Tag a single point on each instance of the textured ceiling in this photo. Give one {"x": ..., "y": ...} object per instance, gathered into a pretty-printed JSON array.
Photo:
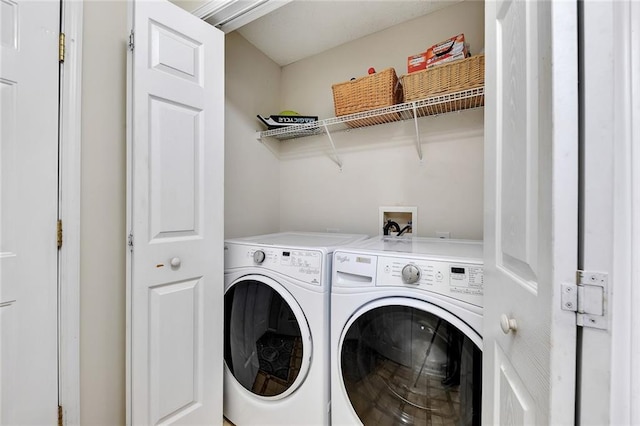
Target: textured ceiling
[{"x": 304, "y": 28}]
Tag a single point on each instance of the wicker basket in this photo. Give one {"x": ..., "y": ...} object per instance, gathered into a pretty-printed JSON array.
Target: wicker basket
[
  {"x": 378, "y": 90},
  {"x": 447, "y": 78}
]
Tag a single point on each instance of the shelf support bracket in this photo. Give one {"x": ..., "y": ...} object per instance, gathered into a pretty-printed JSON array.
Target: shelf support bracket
[
  {"x": 336, "y": 158},
  {"x": 267, "y": 145},
  {"x": 415, "y": 121}
]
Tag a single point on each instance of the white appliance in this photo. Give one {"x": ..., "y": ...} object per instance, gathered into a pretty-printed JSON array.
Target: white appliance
[
  {"x": 277, "y": 289},
  {"x": 406, "y": 318}
]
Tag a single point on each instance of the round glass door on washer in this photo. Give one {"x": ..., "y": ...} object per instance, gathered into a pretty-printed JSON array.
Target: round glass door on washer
[
  {"x": 265, "y": 338},
  {"x": 276, "y": 348},
  {"x": 403, "y": 365}
]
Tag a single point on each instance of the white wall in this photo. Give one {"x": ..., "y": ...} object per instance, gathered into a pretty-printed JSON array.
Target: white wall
[
  {"x": 102, "y": 270},
  {"x": 381, "y": 165}
]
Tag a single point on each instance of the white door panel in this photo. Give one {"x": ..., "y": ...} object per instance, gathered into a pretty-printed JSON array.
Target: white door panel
[
  {"x": 28, "y": 212},
  {"x": 531, "y": 187},
  {"x": 176, "y": 217}
]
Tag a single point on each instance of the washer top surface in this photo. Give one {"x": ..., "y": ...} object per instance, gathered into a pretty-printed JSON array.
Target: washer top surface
[
  {"x": 420, "y": 247},
  {"x": 304, "y": 240}
]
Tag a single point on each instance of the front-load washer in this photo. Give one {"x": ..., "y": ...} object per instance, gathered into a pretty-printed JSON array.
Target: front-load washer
[
  {"x": 406, "y": 345},
  {"x": 276, "y": 346}
]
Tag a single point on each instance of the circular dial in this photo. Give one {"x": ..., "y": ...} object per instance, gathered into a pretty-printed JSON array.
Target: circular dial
[
  {"x": 258, "y": 256},
  {"x": 410, "y": 274}
]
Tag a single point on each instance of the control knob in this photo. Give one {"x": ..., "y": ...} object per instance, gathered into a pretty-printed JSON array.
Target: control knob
[
  {"x": 258, "y": 256},
  {"x": 410, "y": 274}
]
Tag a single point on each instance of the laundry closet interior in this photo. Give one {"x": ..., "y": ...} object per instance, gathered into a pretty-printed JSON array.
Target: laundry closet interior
[
  {"x": 280, "y": 185},
  {"x": 337, "y": 180}
]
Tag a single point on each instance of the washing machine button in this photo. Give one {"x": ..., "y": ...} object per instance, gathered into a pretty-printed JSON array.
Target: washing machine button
[
  {"x": 411, "y": 274},
  {"x": 258, "y": 256}
]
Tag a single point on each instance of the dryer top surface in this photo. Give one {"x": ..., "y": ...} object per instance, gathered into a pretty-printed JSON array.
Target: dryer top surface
[
  {"x": 304, "y": 240},
  {"x": 470, "y": 250}
]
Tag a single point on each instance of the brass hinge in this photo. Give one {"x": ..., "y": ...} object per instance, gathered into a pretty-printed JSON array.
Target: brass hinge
[
  {"x": 131, "y": 41},
  {"x": 59, "y": 234},
  {"x": 61, "y": 48},
  {"x": 60, "y": 419}
]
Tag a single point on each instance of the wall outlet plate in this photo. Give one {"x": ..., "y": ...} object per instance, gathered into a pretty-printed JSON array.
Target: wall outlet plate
[{"x": 401, "y": 215}]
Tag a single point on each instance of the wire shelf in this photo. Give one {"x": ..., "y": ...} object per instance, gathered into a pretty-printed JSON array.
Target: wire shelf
[{"x": 435, "y": 105}]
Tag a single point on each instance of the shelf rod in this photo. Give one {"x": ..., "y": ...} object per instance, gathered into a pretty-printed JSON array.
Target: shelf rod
[
  {"x": 336, "y": 158},
  {"x": 415, "y": 120}
]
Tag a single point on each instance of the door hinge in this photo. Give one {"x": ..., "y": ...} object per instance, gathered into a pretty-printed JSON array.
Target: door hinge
[
  {"x": 60, "y": 418},
  {"x": 588, "y": 298},
  {"x": 59, "y": 233},
  {"x": 130, "y": 241},
  {"x": 131, "y": 43},
  {"x": 61, "y": 50}
]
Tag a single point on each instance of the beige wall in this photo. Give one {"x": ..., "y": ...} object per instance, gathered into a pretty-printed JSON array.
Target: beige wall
[
  {"x": 306, "y": 84},
  {"x": 102, "y": 274},
  {"x": 381, "y": 165},
  {"x": 252, "y": 193}
]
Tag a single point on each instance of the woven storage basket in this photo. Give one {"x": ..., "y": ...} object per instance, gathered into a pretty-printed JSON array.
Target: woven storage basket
[
  {"x": 378, "y": 90},
  {"x": 447, "y": 78}
]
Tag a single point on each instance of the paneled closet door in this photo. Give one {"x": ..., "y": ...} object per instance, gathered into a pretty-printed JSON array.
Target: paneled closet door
[
  {"x": 175, "y": 205},
  {"x": 29, "y": 71},
  {"x": 531, "y": 211}
]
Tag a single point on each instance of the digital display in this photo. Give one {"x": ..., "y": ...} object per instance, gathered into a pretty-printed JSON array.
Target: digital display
[
  {"x": 286, "y": 253},
  {"x": 363, "y": 259},
  {"x": 456, "y": 270}
]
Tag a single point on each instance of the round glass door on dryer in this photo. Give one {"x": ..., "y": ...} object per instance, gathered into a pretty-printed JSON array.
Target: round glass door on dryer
[
  {"x": 267, "y": 338},
  {"x": 407, "y": 361}
]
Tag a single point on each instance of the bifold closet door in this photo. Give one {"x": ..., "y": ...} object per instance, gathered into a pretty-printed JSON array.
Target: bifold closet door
[{"x": 175, "y": 204}]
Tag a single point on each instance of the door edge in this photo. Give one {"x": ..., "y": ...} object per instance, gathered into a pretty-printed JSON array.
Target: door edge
[{"x": 69, "y": 212}]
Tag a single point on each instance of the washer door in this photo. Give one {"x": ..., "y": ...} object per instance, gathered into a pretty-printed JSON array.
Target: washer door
[
  {"x": 404, "y": 361},
  {"x": 267, "y": 338}
]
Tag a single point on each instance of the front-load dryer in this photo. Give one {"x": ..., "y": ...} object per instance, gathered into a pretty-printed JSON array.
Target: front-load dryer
[
  {"x": 406, "y": 320},
  {"x": 276, "y": 347}
]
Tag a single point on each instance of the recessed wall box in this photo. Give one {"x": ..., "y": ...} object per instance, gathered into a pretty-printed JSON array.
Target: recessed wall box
[{"x": 405, "y": 217}]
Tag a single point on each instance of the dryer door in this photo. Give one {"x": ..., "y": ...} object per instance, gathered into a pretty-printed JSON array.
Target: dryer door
[
  {"x": 267, "y": 338},
  {"x": 405, "y": 361}
]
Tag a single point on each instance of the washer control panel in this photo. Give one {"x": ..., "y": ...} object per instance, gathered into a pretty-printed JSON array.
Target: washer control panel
[{"x": 304, "y": 265}]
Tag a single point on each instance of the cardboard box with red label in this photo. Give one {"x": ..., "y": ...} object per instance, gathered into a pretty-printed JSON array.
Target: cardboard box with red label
[
  {"x": 447, "y": 51},
  {"x": 417, "y": 62}
]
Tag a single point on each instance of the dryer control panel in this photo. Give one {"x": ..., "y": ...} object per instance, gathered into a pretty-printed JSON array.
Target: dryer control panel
[
  {"x": 460, "y": 280},
  {"x": 303, "y": 265}
]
